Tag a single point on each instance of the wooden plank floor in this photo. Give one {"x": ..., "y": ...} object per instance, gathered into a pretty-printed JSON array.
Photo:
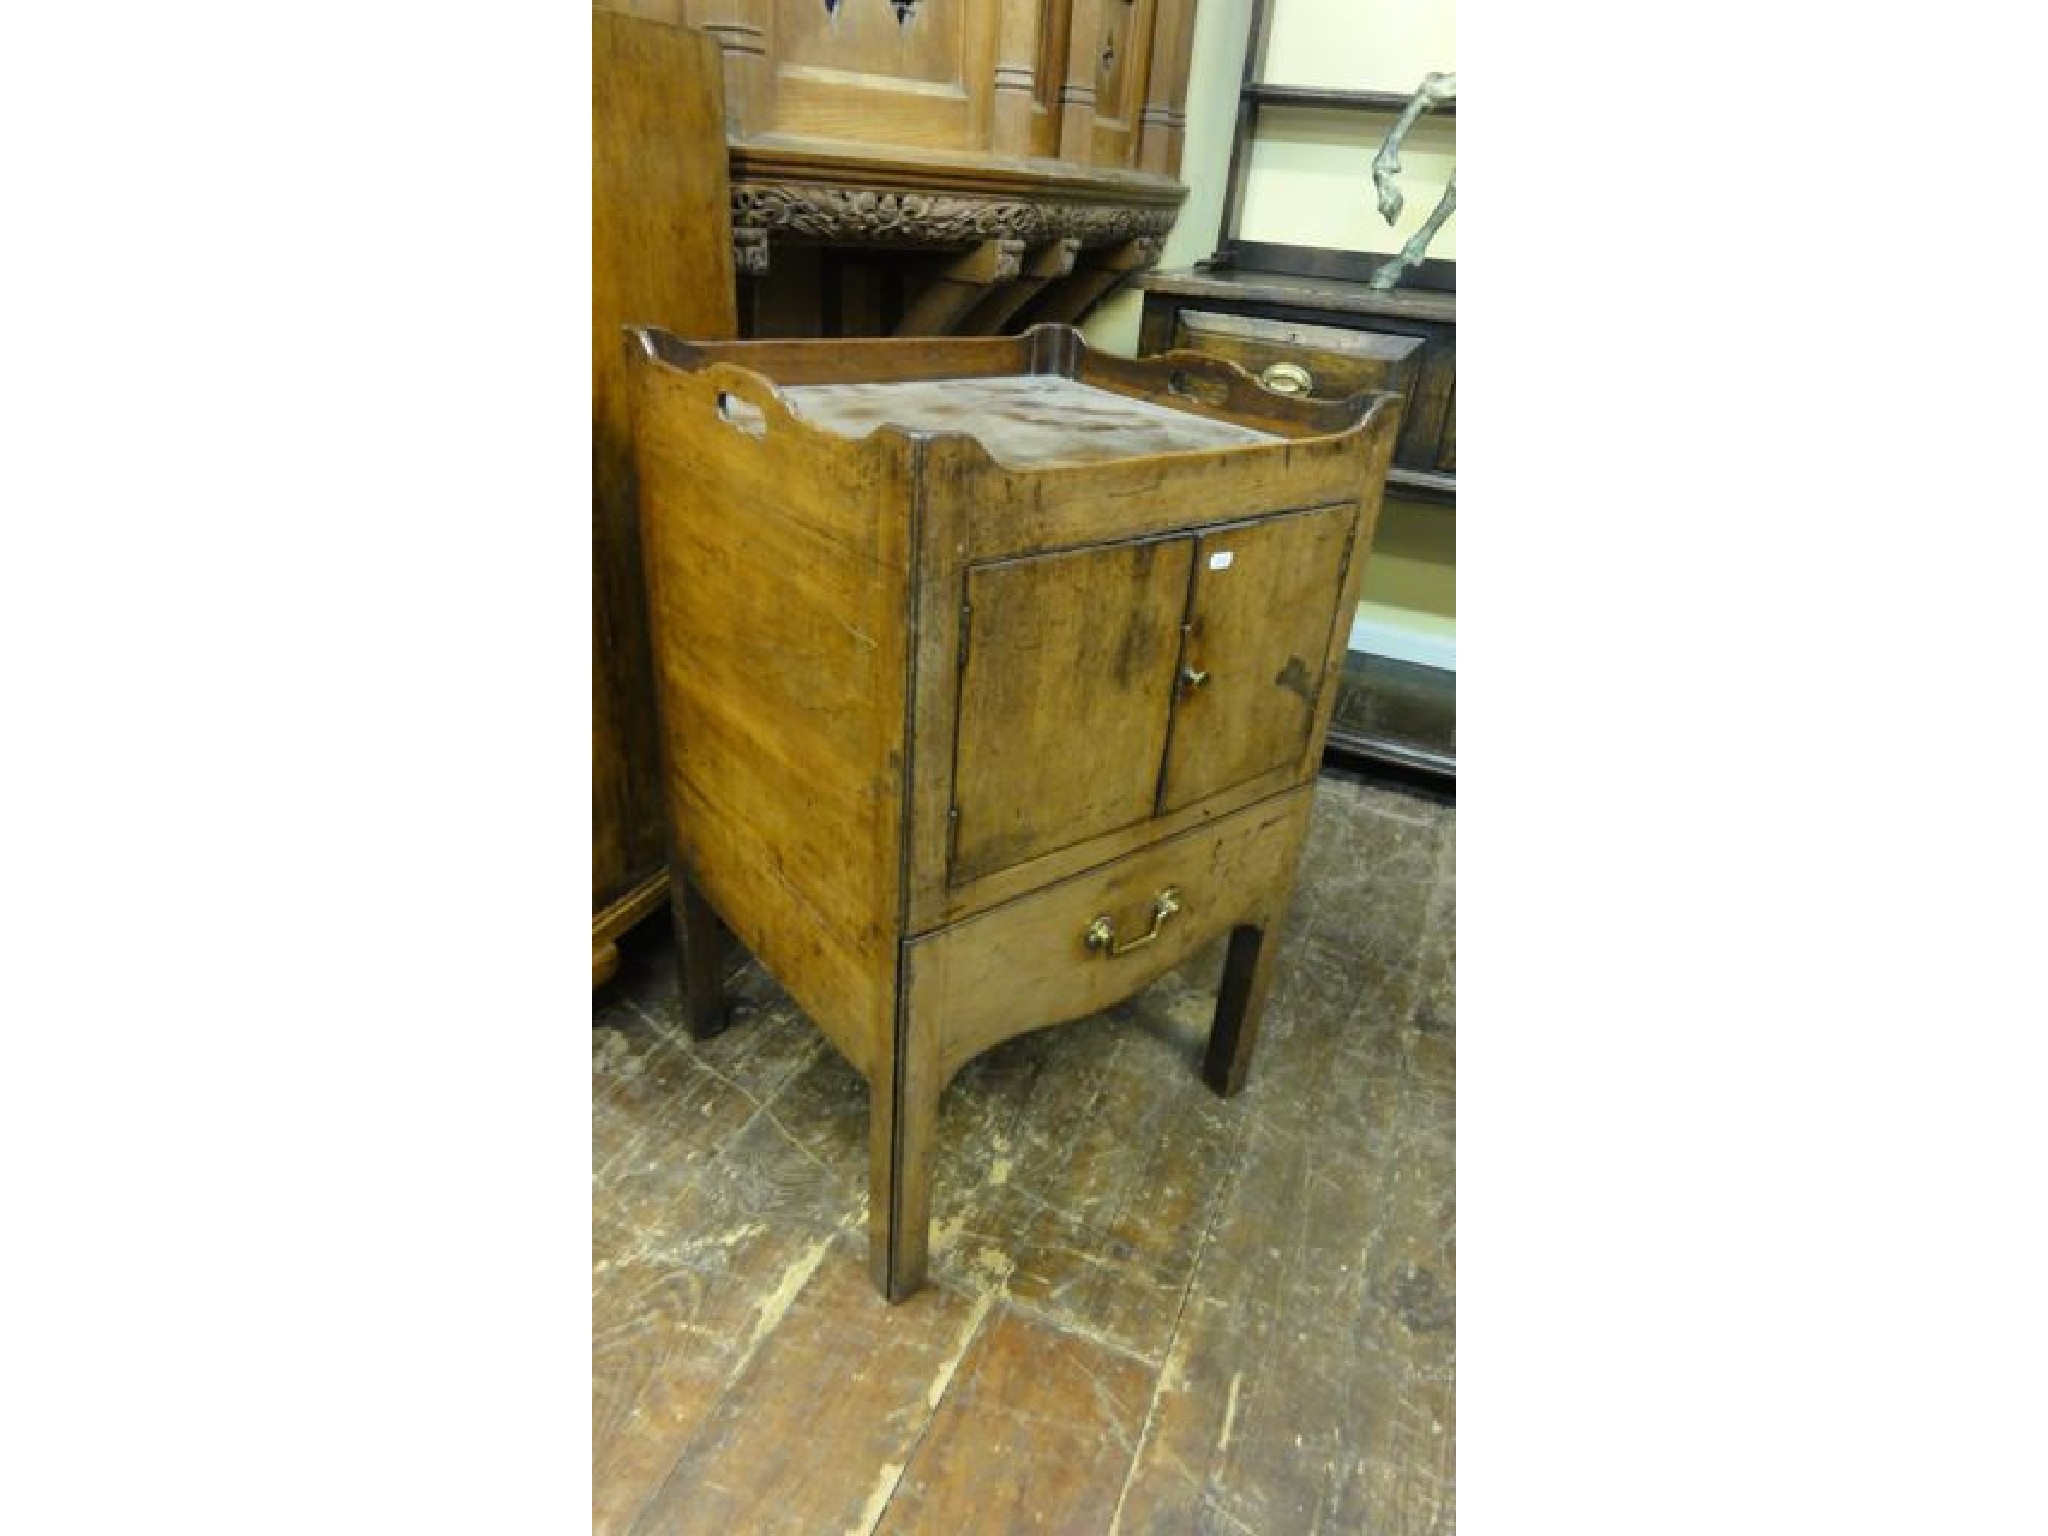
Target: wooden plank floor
[{"x": 1152, "y": 1311}]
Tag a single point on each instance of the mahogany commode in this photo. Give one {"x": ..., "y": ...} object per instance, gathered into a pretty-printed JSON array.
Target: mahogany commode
[{"x": 993, "y": 676}]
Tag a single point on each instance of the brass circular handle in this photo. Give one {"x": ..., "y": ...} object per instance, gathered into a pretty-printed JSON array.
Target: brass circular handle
[{"x": 1288, "y": 379}]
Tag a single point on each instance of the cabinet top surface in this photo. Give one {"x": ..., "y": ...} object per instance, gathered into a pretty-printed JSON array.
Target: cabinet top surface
[{"x": 1033, "y": 420}]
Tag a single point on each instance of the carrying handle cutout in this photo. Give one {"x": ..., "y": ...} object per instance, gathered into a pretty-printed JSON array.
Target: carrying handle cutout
[{"x": 742, "y": 415}]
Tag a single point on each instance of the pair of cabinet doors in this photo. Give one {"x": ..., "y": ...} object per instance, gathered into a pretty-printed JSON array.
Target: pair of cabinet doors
[{"x": 1104, "y": 686}]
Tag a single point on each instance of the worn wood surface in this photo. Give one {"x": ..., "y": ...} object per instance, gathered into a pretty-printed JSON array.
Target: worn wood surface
[
  {"x": 1066, "y": 654},
  {"x": 1338, "y": 362},
  {"x": 1245, "y": 316},
  {"x": 859, "y": 714},
  {"x": 1258, "y": 638},
  {"x": 1027, "y": 421},
  {"x": 907, "y": 130},
  {"x": 1026, "y": 964},
  {"x": 778, "y": 570},
  {"x": 661, "y": 254},
  {"x": 615, "y": 917},
  {"x": 1153, "y": 1310}
]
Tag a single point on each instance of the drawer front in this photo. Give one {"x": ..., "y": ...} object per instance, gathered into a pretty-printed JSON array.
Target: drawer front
[
  {"x": 1297, "y": 359},
  {"x": 1076, "y": 947}
]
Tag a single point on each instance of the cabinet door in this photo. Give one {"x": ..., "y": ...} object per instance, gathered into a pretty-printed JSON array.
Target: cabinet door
[
  {"x": 1258, "y": 636},
  {"x": 1065, "y": 694}
]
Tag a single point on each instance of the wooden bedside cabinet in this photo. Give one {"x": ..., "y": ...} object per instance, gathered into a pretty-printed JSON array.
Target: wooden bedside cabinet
[{"x": 994, "y": 676}]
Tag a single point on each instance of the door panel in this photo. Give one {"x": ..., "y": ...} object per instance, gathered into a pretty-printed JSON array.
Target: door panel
[
  {"x": 1258, "y": 636},
  {"x": 1064, "y": 698}
]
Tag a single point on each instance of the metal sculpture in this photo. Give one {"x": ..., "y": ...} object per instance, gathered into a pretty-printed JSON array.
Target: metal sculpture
[{"x": 1435, "y": 90}]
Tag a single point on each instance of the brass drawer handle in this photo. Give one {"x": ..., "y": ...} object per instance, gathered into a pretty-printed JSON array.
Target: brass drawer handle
[
  {"x": 1101, "y": 933},
  {"x": 1193, "y": 677},
  {"x": 1288, "y": 379}
]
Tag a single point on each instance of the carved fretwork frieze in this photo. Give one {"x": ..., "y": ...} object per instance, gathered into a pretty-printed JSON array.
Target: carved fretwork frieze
[{"x": 877, "y": 216}]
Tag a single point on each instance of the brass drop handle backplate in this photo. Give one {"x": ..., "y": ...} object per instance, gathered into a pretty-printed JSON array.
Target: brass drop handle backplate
[
  {"x": 1101, "y": 934},
  {"x": 1288, "y": 379}
]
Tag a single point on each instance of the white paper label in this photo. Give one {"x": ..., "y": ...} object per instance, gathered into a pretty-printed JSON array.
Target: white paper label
[{"x": 1220, "y": 561}]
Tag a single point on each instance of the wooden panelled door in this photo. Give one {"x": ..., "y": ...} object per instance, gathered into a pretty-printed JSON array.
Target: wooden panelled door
[
  {"x": 1101, "y": 687},
  {"x": 1065, "y": 698},
  {"x": 1258, "y": 634}
]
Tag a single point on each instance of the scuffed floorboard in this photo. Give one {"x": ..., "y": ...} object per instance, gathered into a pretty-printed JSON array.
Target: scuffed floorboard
[{"x": 1152, "y": 1310}]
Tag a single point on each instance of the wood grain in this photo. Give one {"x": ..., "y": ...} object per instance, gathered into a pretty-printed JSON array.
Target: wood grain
[
  {"x": 1254, "y": 317},
  {"x": 778, "y": 569},
  {"x": 1258, "y": 635},
  {"x": 1033, "y": 1436},
  {"x": 854, "y": 1379},
  {"x": 1341, "y": 362},
  {"x": 1025, "y": 965},
  {"x": 1069, "y": 659},
  {"x": 862, "y": 715},
  {"x": 661, "y": 254}
]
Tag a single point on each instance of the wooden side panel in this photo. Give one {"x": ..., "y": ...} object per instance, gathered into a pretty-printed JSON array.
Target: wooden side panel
[
  {"x": 779, "y": 583},
  {"x": 1429, "y": 406},
  {"x": 866, "y": 359},
  {"x": 1017, "y": 39},
  {"x": 1253, "y": 664},
  {"x": 1166, "y": 91},
  {"x": 1055, "y": 24},
  {"x": 1077, "y": 84},
  {"x": 1026, "y": 965},
  {"x": 661, "y": 254},
  {"x": 1123, "y": 69},
  {"x": 1064, "y": 698},
  {"x": 1447, "y": 446},
  {"x": 897, "y": 72}
]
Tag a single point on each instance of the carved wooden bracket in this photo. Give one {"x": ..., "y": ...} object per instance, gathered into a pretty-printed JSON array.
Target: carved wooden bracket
[
  {"x": 750, "y": 252},
  {"x": 876, "y": 216}
]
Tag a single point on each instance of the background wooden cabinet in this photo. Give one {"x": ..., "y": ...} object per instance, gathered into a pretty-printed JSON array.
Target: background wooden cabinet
[
  {"x": 921, "y": 167},
  {"x": 659, "y": 255}
]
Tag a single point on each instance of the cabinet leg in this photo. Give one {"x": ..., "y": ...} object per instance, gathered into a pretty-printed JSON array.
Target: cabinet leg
[
  {"x": 903, "y": 1114},
  {"x": 1240, "y": 1007},
  {"x": 700, "y": 959}
]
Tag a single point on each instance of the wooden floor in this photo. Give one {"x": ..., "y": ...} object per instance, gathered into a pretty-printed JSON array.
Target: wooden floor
[{"x": 1153, "y": 1310}]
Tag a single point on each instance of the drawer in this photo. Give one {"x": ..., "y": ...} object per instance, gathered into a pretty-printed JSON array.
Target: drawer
[
  {"x": 1331, "y": 362},
  {"x": 1078, "y": 946},
  {"x": 1292, "y": 358}
]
